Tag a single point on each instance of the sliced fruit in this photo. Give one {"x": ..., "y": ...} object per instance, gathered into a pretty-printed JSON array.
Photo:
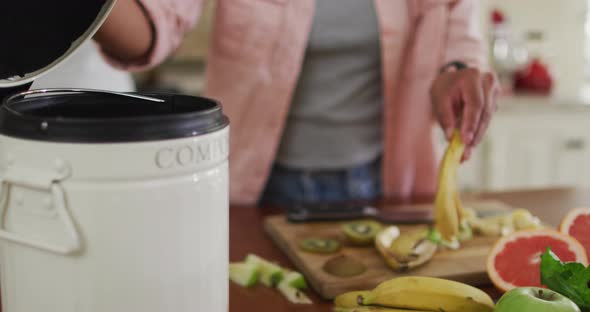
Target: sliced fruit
[
  {"x": 504, "y": 224},
  {"x": 319, "y": 245},
  {"x": 523, "y": 219},
  {"x": 294, "y": 295},
  {"x": 295, "y": 280},
  {"x": 344, "y": 266},
  {"x": 349, "y": 299},
  {"x": 406, "y": 250},
  {"x": 465, "y": 231},
  {"x": 386, "y": 236},
  {"x": 515, "y": 259},
  {"x": 244, "y": 274},
  {"x": 435, "y": 237},
  {"x": 499, "y": 225},
  {"x": 485, "y": 228},
  {"x": 427, "y": 293},
  {"x": 469, "y": 213},
  {"x": 361, "y": 232},
  {"x": 270, "y": 273},
  {"x": 577, "y": 224},
  {"x": 448, "y": 210}
]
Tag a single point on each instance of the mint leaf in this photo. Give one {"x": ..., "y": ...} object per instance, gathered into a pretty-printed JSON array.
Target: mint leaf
[{"x": 569, "y": 279}]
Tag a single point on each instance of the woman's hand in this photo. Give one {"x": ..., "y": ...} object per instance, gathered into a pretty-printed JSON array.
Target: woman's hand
[
  {"x": 127, "y": 33},
  {"x": 465, "y": 100}
]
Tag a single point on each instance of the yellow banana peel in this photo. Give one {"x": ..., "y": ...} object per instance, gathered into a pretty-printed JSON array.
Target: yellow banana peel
[
  {"x": 420, "y": 293},
  {"x": 448, "y": 208},
  {"x": 350, "y": 299}
]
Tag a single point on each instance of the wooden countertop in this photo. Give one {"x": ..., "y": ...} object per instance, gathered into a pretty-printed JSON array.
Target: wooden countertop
[{"x": 247, "y": 236}]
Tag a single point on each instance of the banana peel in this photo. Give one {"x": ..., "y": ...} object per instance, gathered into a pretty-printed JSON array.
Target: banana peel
[
  {"x": 349, "y": 299},
  {"x": 449, "y": 212},
  {"x": 348, "y": 302},
  {"x": 405, "y": 251},
  {"x": 421, "y": 293}
]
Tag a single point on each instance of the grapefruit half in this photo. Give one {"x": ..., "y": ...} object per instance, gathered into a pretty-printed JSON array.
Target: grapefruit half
[
  {"x": 515, "y": 259},
  {"x": 577, "y": 224}
]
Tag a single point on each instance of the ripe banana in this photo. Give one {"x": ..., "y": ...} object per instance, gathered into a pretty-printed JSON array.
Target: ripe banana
[
  {"x": 348, "y": 302},
  {"x": 427, "y": 293},
  {"x": 373, "y": 309},
  {"x": 350, "y": 299},
  {"x": 448, "y": 208}
]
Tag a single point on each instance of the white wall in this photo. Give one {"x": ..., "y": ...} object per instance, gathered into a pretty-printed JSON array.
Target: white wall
[{"x": 562, "y": 23}]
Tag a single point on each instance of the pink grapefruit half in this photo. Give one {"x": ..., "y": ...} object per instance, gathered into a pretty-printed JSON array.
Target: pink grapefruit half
[
  {"x": 515, "y": 259},
  {"x": 577, "y": 224}
]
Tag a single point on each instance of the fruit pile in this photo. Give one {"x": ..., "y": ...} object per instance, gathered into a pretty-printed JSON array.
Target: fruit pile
[
  {"x": 515, "y": 260},
  {"x": 546, "y": 258},
  {"x": 415, "y": 293},
  {"x": 255, "y": 269}
]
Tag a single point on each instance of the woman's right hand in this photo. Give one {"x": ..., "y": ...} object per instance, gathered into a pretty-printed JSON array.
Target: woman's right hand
[
  {"x": 465, "y": 100},
  {"x": 127, "y": 34}
]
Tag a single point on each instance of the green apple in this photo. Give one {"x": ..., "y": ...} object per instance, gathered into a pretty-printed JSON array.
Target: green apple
[
  {"x": 270, "y": 273},
  {"x": 533, "y": 299},
  {"x": 293, "y": 294},
  {"x": 244, "y": 273},
  {"x": 296, "y": 280}
]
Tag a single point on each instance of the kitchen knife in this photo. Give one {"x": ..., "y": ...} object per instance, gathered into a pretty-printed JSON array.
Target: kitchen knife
[
  {"x": 421, "y": 213},
  {"x": 304, "y": 212}
]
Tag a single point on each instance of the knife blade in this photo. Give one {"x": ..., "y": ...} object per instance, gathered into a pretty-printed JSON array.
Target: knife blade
[
  {"x": 350, "y": 211},
  {"x": 415, "y": 213}
]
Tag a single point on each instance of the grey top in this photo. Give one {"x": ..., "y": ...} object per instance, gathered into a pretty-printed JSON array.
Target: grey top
[{"x": 335, "y": 119}]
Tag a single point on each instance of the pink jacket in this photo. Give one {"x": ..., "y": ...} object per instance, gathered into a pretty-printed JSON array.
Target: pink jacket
[{"x": 254, "y": 62}]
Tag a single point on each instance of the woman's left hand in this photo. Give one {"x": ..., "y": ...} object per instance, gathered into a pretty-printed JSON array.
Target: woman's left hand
[{"x": 465, "y": 99}]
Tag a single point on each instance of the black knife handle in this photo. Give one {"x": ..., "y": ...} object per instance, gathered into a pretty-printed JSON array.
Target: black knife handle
[{"x": 329, "y": 212}]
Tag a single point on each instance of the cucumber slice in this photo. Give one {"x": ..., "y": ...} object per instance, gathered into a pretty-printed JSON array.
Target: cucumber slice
[
  {"x": 244, "y": 274},
  {"x": 292, "y": 294},
  {"x": 270, "y": 273}
]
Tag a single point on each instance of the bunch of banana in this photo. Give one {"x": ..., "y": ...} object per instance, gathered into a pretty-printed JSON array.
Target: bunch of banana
[
  {"x": 449, "y": 213},
  {"x": 414, "y": 293}
]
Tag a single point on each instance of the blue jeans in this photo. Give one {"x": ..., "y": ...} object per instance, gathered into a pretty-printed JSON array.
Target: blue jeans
[{"x": 288, "y": 185}]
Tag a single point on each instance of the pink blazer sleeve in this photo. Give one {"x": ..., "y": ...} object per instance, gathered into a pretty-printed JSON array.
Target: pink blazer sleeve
[
  {"x": 464, "y": 38},
  {"x": 171, "y": 20}
]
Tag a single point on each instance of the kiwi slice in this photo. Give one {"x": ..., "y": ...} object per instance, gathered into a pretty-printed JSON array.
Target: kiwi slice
[
  {"x": 361, "y": 232},
  {"x": 344, "y": 266},
  {"x": 319, "y": 245}
]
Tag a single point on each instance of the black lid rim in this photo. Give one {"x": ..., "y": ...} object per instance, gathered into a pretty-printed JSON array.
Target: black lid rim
[
  {"x": 81, "y": 121},
  {"x": 45, "y": 118},
  {"x": 119, "y": 139}
]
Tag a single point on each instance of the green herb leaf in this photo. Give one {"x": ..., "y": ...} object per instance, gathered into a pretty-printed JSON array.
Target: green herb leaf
[{"x": 569, "y": 279}]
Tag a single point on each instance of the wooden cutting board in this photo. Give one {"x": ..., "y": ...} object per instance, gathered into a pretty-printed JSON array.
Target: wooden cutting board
[{"x": 467, "y": 264}]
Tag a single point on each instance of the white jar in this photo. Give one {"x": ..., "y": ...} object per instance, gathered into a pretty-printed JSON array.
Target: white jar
[{"x": 113, "y": 203}]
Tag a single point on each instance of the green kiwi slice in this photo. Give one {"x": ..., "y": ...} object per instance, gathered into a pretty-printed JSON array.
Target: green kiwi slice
[
  {"x": 319, "y": 245},
  {"x": 361, "y": 232}
]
